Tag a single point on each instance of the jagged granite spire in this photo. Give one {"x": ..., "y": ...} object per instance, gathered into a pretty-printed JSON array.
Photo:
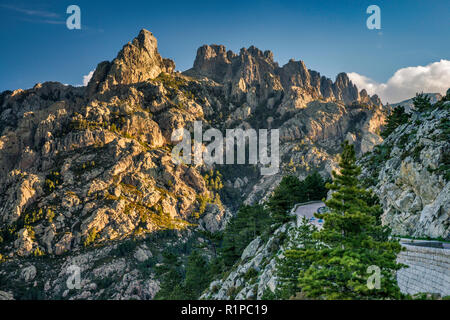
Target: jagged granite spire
[
  {"x": 138, "y": 61},
  {"x": 254, "y": 67}
]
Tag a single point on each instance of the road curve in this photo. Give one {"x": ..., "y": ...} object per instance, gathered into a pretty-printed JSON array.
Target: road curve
[{"x": 306, "y": 210}]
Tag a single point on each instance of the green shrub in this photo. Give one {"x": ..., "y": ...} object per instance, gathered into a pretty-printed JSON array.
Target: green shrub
[
  {"x": 52, "y": 180},
  {"x": 50, "y": 215},
  {"x": 92, "y": 236},
  {"x": 233, "y": 291},
  {"x": 394, "y": 120},
  {"x": 250, "y": 274},
  {"x": 104, "y": 283},
  {"x": 38, "y": 252},
  {"x": 203, "y": 202},
  {"x": 422, "y": 102},
  {"x": 125, "y": 248}
]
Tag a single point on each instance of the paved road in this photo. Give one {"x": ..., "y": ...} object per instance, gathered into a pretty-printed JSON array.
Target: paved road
[{"x": 307, "y": 210}]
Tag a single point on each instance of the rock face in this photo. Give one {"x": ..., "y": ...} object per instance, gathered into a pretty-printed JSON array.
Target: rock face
[
  {"x": 253, "y": 76},
  {"x": 314, "y": 114},
  {"x": 91, "y": 166},
  {"x": 6, "y": 295},
  {"x": 412, "y": 177},
  {"x": 409, "y": 172},
  {"x": 138, "y": 61},
  {"x": 252, "y": 277},
  {"x": 83, "y": 170}
]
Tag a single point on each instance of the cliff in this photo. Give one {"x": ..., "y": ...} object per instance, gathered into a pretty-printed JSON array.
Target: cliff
[{"x": 87, "y": 179}]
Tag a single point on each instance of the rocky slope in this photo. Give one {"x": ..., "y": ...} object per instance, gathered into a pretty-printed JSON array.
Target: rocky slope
[
  {"x": 254, "y": 275},
  {"x": 84, "y": 169},
  {"x": 314, "y": 114},
  {"x": 410, "y": 174}
]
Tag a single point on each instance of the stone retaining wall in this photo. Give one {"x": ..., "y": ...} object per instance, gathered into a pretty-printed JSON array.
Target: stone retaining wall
[{"x": 429, "y": 270}]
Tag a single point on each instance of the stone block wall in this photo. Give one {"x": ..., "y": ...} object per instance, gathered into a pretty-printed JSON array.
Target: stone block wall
[{"x": 429, "y": 270}]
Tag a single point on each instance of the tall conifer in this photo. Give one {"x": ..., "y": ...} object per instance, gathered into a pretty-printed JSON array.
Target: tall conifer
[{"x": 352, "y": 240}]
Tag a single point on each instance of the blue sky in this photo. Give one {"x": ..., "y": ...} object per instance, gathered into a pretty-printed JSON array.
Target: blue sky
[{"x": 330, "y": 36}]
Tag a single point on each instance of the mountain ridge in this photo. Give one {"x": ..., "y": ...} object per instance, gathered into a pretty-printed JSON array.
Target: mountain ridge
[
  {"x": 215, "y": 62},
  {"x": 86, "y": 172}
]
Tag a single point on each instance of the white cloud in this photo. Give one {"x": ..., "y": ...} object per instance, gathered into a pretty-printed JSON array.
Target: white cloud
[
  {"x": 434, "y": 77},
  {"x": 87, "y": 77}
]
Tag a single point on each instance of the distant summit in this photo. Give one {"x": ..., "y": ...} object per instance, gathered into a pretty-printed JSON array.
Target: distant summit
[
  {"x": 138, "y": 61},
  {"x": 255, "y": 68}
]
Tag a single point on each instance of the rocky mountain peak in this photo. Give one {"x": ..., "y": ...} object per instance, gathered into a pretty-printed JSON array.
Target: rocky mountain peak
[
  {"x": 295, "y": 73},
  {"x": 212, "y": 61},
  {"x": 343, "y": 80},
  {"x": 138, "y": 61},
  {"x": 344, "y": 89},
  {"x": 146, "y": 40},
  {"x": 209, "y": 52},
  {"x": 257, "y": 53},
  {"x": 254, "y": 68},
  {"x": 85, "y": 172}
]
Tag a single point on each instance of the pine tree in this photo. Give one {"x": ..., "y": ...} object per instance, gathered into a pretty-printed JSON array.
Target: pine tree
[
  {"x": 289, "y": 192},
  {"x": 212, "y": 240},
  {"x": 394, "y": 120},
  {"x": 351, "y": 240},
  {"x": 171, "y": 277},
  {"x": 421, "y": 102},
  {"x": 294, "y": 260},
  {"x": 197, "y": 275},
  {"x": 250, "y": 222},
  {"x": 315, "y": 187}
]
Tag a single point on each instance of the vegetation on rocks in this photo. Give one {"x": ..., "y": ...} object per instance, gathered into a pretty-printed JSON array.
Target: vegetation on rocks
[
  {"x": 394, "y": 120},
  {"x": 291, "y": 191},
  {"x": 421, "y": 102},
  {"x": 351, "y": 241},
  {"x": 259, "y": 221},
  {"x": 86, "y": 176}
]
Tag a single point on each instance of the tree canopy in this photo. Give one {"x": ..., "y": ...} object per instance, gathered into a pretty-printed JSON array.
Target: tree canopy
[
  {"x": 397, "y": 117},
  {"x": 291, "y": 191},
  {"x": 352, "y": 242},
  {"x": 421, "y": 102}
]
